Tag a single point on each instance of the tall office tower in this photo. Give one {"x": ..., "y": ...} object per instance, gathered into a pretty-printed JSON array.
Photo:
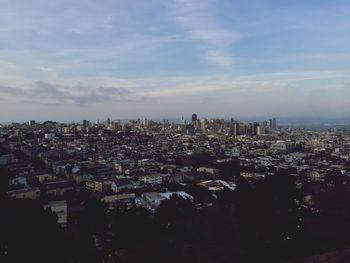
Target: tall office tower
[
  {"x": 203, "y": 125},
  {"x": 262, "y": 129},
  {"x": 115, "y": 126},
  {"x": 270, "y": 123},
  {"x": 108, "y": 121},
  {"x": 86, "y": 125},
  {"x": 194, "y": 117},
  {"x": 126, "y": 127},
  {"x": 31, "y": 122},
  {"x": 250, "y": 128},
  {"x": 256, "y": 127},
  {"x": 197, "y": 124},
  {"x": 243, "y": 129},
  {"x": 274, "y": 123},
  {"x": 189, "y": 129},
  {"x": 165, "y": 123},
  {"x": 217, "y": 125},
  {"x": 183, "y": 120},
  {"x": 234, "y": 128},
  {"x": 145, "y": 122}
]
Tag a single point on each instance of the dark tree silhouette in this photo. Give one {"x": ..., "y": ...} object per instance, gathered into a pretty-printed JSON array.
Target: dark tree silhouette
[{"x": 29, "y": 233}]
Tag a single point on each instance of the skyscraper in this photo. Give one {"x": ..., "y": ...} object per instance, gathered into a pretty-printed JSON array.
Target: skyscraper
[
  {"x": 234, "y": 128},
  {"x": 256, "y": 127},
  {"x": 203, "y": 125},
  {"x": 86, "y": 125},
  {"x": 274, "y": 123},
  {"x": 194, "y": 117}
]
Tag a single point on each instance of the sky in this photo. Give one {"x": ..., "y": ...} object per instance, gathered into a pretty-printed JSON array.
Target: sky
[{"x": 87, "y": 59}]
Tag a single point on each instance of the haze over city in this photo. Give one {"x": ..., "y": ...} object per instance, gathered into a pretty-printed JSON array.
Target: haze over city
[
  {"x": 174, "y": 131},
  {"x": 65, "y": 60}
]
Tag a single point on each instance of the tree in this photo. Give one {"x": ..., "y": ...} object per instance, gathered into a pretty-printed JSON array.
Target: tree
[
  {"x": 4, "y": 179},
  {"x": 29, "y": 233},
  {"x": 200, "y": 194}
]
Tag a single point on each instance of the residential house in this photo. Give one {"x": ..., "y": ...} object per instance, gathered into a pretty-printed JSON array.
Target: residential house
[
  {"x": 26, "y": 193},
  {"x": 60, "y": 209}
]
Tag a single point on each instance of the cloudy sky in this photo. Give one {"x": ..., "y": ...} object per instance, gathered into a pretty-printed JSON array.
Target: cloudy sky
[{"x": 88, "y": 59}]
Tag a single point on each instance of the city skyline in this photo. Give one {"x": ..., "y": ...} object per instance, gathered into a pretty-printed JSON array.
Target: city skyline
[{"x": 88, "y": 60}]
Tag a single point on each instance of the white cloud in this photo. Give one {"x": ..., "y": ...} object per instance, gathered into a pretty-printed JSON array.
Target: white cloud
[
  {"x": 52, "y": 73},
  {"x": 277, "y": 93},
  {"x": 220, "y": 58},
  {"x": 200, "y": 23},
  {"x": 46, "y": 69}
]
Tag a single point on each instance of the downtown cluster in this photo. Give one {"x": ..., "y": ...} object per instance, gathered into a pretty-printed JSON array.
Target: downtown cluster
[{"x": 209, "y": 190}]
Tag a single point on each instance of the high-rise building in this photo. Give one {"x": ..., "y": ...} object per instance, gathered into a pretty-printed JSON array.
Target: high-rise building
[
  {"x": 146, "y": 122},
  {"x": 31, "y": 122},
  {"x": 183, "y": 121},
  {"x": 126, "y": 127},
  {"x": 274, "y": 123},
  {"x": 189, "y": 129},
  {"x": 107, "y": 124},
  {"x": 242, "y": 128},
  {"x": 262, "y": 129},
  {"x": 203, "y": 125},
  {"x": 115, "y": 126},
  {"x": 256, "y": 127},
  {"x": 194, "y": 117},
  {"x": 234, "y": 128},
  {"x": 86, "y": 125}
]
